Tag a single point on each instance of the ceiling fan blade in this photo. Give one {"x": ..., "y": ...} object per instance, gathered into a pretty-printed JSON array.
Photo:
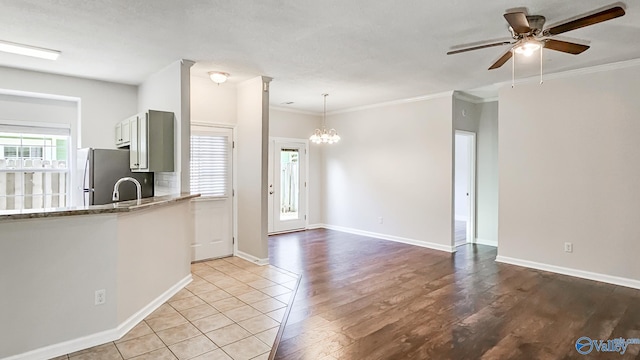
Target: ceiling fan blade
[
  {"x": 478, "y": 47},
  {"x": 503, "y": 59},
  {"x": 599, "y": 17},
  {"x": 518, "y": 22},
  {"x": 564, "y": 46}
]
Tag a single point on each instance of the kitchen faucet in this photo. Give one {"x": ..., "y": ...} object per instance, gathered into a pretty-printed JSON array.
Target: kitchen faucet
[{"x": 116, "y": 193}]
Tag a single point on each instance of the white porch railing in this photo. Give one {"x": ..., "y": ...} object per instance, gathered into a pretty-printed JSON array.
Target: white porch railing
[{"x": 33, "y": 184}]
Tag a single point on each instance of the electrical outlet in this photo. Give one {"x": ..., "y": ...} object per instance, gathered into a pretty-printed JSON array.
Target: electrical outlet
[
  {"x": 568, "y": 247},
  {"x": 101, "y": 297},
  {"x": 380, "y": 220}
]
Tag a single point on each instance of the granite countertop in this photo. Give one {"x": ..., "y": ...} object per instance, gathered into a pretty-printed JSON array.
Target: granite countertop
[{"x": 119, "y": 207}]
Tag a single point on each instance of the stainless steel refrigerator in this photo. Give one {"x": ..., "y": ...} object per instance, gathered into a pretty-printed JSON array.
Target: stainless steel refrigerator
[{"x": 98, "y": 171}]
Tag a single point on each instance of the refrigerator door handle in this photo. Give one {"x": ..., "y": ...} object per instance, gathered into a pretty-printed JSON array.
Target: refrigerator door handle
[{"x": 85, "y": 180}]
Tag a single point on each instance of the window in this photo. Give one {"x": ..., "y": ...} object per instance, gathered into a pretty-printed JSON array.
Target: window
[
  {"x": 34, "y": 170},
  {"x": 210, "y": 163},
  {"x": 23, "y": 151}
]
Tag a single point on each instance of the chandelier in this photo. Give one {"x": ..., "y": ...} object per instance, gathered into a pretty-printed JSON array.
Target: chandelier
[{"x": 324, "y": 136}]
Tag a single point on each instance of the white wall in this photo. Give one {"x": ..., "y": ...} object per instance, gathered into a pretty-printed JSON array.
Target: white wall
[
  {"x": 18, "y": 108},
  {"x": 394, "y": 162},
  {"x": 465, "y": 114},
  {"x": 212, "y": 103},
  {"x": 296, "y": 125},
  {"x": 569, "y": 172},
  {"x": 252, "y": 133},
  {"x": 153, "y": 255},
  {"x": 49, "y": 271},
  {"x": 102, "y": 104},
  {"x": 487, "y": 174},
  {"x": 461, "y": 175},
  {"x": 169, "y": 90}
]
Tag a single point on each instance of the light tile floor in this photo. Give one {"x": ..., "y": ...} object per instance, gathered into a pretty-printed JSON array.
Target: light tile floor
[{"x": 231, "y": 310}]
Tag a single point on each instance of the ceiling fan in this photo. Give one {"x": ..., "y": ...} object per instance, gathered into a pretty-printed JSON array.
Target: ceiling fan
[{"x": 528, "y": 35}]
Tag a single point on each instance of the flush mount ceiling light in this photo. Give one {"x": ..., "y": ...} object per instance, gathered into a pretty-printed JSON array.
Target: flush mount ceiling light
[
  {"x": 323, "y": 136},
  {"x": 27, "y": 50},
  {"x": 218, "y": 77}
]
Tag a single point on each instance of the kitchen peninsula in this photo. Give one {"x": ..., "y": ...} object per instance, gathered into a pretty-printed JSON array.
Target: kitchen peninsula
[{"x": 76, "y": 277}]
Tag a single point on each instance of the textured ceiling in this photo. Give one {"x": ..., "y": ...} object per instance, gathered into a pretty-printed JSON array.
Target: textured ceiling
[{"x": 361, "y": 52}]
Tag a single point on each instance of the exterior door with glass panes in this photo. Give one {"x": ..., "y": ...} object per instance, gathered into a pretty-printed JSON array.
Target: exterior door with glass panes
[{"x": 287, "y": 185}]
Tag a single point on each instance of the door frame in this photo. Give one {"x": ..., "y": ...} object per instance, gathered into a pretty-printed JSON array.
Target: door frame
[
  {"x": 272, "y": 141},
  {"x": 234, "y": 177},
  {"x": 471, "y": 224}
]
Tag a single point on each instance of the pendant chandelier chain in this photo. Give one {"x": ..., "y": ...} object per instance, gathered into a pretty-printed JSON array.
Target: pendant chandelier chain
[{"x": 324, "y": 112}]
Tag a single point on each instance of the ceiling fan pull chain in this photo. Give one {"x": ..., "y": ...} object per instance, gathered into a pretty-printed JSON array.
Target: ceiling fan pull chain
[
  {"x": 541, "y": 80},
  {"x": 513, "y": 68}
]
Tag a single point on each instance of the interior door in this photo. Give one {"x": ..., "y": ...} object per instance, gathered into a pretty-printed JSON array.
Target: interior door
[
  {"x": 211, "y": 174},
  {"x": 287, "y": 185},
  {"x": 464, "y": 187}
]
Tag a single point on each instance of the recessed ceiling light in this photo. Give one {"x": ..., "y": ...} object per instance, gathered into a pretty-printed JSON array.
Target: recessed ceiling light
[{"x": 27, "y": 50}]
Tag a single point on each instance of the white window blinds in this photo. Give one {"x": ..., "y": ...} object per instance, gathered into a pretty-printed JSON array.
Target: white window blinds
[{"x": 210, "y": 164}]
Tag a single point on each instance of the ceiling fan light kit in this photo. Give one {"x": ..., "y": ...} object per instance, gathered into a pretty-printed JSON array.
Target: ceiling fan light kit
[
  {"x": 528, "y": 48},
  {"x": 528, "y": 35}
]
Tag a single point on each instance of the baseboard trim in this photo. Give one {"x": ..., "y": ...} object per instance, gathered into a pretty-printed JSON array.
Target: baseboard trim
[
  {"x": 134, "y": 319},
  {"x": 67, "y": 347},
  {"x": 286, "y": 231},
  {"x": 615, "y": 280},
  {"x": 102, "y": 337},
  {"x": 493, "y": 243},
  {"x": 251, "y": 258},
  {"x": 424, "y": 244},
  {"x": 315, "y": 226}
]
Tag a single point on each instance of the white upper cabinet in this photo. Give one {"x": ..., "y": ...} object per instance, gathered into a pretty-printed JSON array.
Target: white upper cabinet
[
  {"x": 151, "y": 142},
  {"x": 123, "y": 133}
]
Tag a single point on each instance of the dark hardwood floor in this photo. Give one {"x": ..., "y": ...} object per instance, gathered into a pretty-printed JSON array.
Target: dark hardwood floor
[{"x": 363, "y": 298}]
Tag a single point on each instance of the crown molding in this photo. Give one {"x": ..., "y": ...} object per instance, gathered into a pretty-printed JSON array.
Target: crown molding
[
  {"x": 482, "y": 100},
  {"x": 187, "y": 62},
  {"x": 394, "y": 102},
  {"x": 295, "y": 111},
  {"x": 576, "y": 72},
  {"x": 460, "y": 95}
]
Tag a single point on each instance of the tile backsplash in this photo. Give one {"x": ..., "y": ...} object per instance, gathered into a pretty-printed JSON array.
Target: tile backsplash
[{"x": 166, "y": 183}]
